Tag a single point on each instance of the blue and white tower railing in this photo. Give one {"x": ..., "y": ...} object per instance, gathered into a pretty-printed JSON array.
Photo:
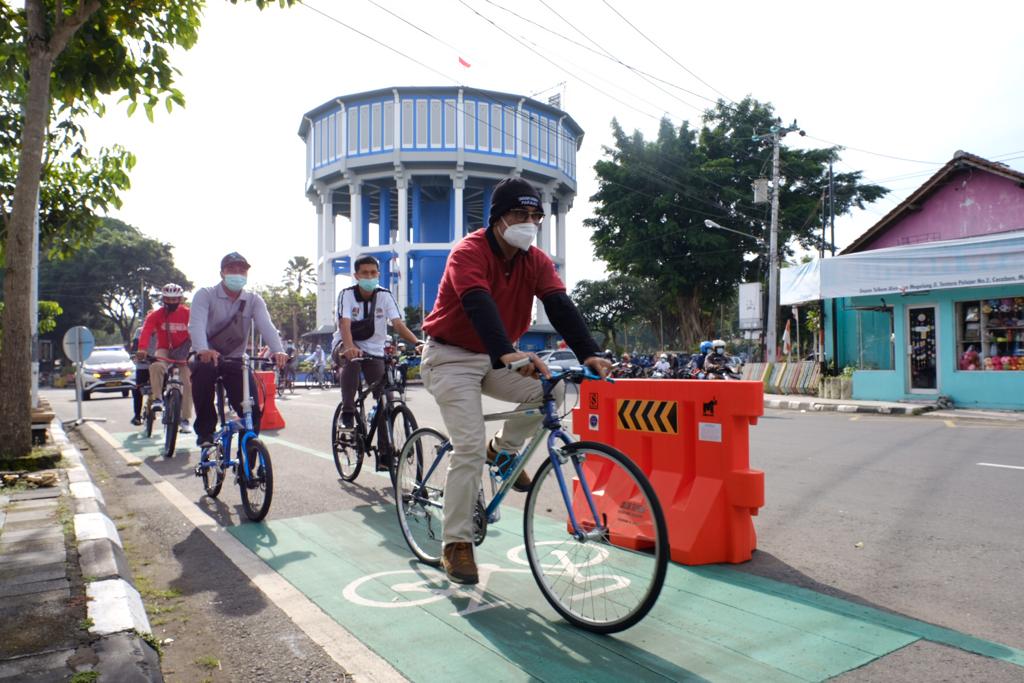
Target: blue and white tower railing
[{"x": 413, "y": 170}]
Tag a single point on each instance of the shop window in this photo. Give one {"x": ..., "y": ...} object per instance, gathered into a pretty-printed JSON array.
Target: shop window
[
  {"x": 990, "y": 335},
  {"x": 875, "y": 340}
]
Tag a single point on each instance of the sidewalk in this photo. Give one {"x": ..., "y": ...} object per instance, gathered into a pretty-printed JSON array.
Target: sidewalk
[
  {"x": 67, "y": 604},
  {"x": 849, "y": 405}
]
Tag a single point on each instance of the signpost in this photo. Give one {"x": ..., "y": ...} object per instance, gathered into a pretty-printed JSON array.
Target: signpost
[{"x": 78, "y": 345}]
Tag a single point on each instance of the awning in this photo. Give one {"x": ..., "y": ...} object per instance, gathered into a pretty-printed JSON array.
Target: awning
[
  {"x": 984, "y": 261},
  {"x": 798, "y": 284}
]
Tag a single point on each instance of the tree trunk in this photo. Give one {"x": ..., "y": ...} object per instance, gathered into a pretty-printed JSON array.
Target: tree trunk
[
  {"x": 16, "y": 368},
  {"x": 691, "y": 323}
]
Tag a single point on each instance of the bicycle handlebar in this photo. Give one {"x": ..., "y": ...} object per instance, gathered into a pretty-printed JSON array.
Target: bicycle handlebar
[{"x": 169, "y": 360}]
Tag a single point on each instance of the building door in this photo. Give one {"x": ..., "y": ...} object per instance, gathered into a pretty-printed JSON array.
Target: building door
[{"x": 922, "y": 349}]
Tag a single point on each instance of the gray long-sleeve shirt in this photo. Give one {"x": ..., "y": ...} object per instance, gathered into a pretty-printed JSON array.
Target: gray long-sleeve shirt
[{"x": 212, "y": 308}]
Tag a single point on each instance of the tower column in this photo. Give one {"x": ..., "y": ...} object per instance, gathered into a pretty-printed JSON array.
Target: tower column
[
  {"x": 458, "y": 228},
  {"x": 544, "y": 242},
  {"x": 325, "y": 304},
  {"x": 355, "y": 214},
  {"x": 402, "y": 243}
]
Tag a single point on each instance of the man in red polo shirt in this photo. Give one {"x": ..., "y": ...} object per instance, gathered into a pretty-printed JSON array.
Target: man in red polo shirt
[
  {"x": 483, "y": 306},
  {"x": 170, "y": 325}
]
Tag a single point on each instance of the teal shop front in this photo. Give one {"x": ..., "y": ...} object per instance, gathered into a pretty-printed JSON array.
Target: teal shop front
[{"x": 966, "y": 344}]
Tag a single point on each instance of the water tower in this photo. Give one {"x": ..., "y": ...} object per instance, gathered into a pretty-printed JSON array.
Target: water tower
[{"x": 413, "y": 169}]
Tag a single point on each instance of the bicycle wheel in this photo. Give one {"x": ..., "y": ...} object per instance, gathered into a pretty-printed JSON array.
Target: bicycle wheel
[
  {"x": 172, "y": 419},
  {"x": 419, "y": 492},
  {"x": 346, "y": 444},
  {"x": 212, "y": 474},
  {"x": 400, "y": 428},
  {"x": 607, "y": 581},
  {"x": 279, "y": 384},
  {"x": 258, "y": 486}
]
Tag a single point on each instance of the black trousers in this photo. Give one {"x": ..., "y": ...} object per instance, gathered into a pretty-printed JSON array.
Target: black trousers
[
  {"x": 204, "y": 380},
  {"x": 141, "y": 379}
]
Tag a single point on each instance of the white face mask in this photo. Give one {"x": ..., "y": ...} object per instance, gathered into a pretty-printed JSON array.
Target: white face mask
[{"x": 520, "y": 235}]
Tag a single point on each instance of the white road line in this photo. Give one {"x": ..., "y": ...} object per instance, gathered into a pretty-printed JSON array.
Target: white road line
[
  {"x": 340, "y": 645},
  {"x": 992, "y": 464}
]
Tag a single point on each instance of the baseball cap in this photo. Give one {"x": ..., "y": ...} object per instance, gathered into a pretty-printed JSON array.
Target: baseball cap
[{"x": 233, "y": 257}]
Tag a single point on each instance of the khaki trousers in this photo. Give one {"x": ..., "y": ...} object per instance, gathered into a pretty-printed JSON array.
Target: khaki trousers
[
  {"x": 457, "y": 379},
  {"x": 157, "y": 372}
]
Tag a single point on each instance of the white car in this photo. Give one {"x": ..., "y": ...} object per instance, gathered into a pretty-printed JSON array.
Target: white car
[
  {"x": 562, "y": 358},
  {"x": 108, "y": 368}
]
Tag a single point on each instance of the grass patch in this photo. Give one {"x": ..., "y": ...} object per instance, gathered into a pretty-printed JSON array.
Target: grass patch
[
  {"x": 39, "y": 458},
  {"x": 66, "y": 517},
  {"x": 85, "y": 677},
  {"x": 86, "y": 624},
  {"x": 152, "y": 641},
  {"x": 208, "y": 663}
]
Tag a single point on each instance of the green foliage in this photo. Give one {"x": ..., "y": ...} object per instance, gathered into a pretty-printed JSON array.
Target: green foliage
[
  {"x": 610, "y": 305},
  {"x": 299, "y": 274},
  {"x": 286, "y": 304},
  {"x": 414, "y": 320},
  {"x": 99, "y": 286},
  {"x": 654, "y": 197},
  {"x": 49, "y": 311}
]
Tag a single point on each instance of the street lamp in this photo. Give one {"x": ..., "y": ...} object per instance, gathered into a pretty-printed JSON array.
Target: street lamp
[{"x": 772, "y": 291}]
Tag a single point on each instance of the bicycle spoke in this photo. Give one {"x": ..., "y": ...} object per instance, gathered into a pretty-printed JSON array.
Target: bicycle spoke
[
  {"x": 420, "y": 502},
  {"x": 609, "y": 579}
]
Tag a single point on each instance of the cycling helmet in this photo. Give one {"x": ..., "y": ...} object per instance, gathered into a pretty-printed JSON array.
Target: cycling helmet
[
  {"x": 705, "y": 346},
  {"x": 664, "y": 356},
  {"x": 172, "y": 291},
  {"x": 718, "y": 346}
]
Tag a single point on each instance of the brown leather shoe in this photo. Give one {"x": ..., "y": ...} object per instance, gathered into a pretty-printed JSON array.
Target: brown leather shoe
[
  {"x": 522, "y": 482},
  {"x": 459, "y": 565}
]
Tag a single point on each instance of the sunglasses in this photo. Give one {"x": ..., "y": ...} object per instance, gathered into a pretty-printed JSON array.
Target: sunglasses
[{"x": 523, "y": 214}]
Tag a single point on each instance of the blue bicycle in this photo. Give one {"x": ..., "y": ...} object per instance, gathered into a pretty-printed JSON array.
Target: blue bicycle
[
  {"x": 595, "y": 536},
  {"x": 253, "y": 471}
]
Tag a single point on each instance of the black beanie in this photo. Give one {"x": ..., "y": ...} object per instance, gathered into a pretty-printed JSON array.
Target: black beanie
[{"x": 512, "y": 193}]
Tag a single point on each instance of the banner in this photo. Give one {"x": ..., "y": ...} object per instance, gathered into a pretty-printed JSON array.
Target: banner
[{"x": 750, "y": 306}]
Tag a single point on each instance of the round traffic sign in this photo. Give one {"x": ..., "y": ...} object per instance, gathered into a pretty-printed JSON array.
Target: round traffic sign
[{"x": 78, "y": 343}]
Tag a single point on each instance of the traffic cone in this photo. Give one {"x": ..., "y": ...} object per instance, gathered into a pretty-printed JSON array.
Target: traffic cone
[{"x": 271, "y": 416}]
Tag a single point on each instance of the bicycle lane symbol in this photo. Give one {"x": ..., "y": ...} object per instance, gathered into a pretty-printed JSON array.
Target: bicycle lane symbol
[{"x": 421, "y": 590}]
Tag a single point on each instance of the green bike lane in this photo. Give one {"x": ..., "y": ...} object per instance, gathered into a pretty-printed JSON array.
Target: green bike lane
[{"x": 711, "y": 623}]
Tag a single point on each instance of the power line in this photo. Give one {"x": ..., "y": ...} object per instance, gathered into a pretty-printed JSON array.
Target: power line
[
  {"x": 681, "y": 65},
  {"x": 540, "y": 54},
  {"x": 616, "y": 59},
  {"x": 878, "y": 154},
  {"x": 418, "y": 28}
]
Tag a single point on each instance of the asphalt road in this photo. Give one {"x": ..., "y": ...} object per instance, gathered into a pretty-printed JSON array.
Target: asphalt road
[{"x": 890, "y": 512}]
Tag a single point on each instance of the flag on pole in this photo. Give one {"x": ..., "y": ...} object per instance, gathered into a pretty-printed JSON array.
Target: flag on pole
[
  {"x": 787, "y": 346},
  {"x": 464, "y": 63}
]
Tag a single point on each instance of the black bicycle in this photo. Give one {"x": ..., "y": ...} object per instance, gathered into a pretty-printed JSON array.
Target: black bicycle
[
  {"x": 172, "y": 397},
  {"x": 390, "y": 421}
]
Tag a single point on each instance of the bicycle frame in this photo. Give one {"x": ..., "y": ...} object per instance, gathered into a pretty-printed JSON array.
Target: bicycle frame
[
  {"x": 552, "y": 424},
  {"x": 242, "y": 426}
]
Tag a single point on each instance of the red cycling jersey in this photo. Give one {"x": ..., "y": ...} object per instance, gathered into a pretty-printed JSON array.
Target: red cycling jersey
[{"x": 171, "y": 329}]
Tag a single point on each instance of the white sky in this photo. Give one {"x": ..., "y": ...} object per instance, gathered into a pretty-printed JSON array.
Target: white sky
[{"x": 911, "y": 80}]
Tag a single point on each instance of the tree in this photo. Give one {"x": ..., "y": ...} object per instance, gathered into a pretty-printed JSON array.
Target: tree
[
  {"x": 103, "y": 285},
  {"x": 608, "y": 306},
  {"x": 654, "y": 197},
  {"x": 300, "y": 273},
  {"x": 284, "y": 303},
  {"x": 72, "y": 55}
]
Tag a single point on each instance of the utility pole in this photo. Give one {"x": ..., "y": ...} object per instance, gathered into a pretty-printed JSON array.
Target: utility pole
[{"x": 776, "y": 134}]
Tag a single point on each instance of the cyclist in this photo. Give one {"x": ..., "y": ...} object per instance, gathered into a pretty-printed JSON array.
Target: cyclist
[
  {"x": 141, "y": 374},
  {"x": 169, "y": 324},
  {"x": 219, "y": 326},
  {"x": 319, "y": 361},
  {"x": 484, "y": 304},
  {"x": 364, "y": 311}
]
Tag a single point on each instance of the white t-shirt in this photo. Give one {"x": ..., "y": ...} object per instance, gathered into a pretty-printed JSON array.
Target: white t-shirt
[{"x": 351, "y": 306}]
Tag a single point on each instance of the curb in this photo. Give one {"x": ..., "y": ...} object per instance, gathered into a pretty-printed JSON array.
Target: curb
[
  {"x": 115, "y": 606},
  {"x": 815, "y": 406}
]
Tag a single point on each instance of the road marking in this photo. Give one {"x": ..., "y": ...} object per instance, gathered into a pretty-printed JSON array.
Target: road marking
[
  {"x": 854, "y": 418},
  {"x": 950, "y": 424},
  {"x": 1009, "y": 467},
  {"x": 313, "y": 451},
  {"x": 339, "y": 644}
]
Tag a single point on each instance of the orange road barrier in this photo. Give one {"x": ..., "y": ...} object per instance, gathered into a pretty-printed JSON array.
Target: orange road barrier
[
  {"x": 690, "y": 437},
  {"x": 271, "y": 415}
]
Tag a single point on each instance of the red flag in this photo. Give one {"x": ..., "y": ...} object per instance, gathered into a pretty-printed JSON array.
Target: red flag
[{"x": 464, "y": 63}]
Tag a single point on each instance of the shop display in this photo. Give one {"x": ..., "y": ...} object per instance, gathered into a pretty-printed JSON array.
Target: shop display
[{"x": 990, "y": 334}]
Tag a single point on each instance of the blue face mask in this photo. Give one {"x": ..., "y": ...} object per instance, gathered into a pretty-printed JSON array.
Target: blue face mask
[
  {"x": 369, "y": 284},
  {"x": 234, "y": 282}
]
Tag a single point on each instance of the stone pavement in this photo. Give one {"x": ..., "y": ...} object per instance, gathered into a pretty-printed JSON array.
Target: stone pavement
[
  {"x": 844, "y": 405},
  {"x": 67, "y": 604}
]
